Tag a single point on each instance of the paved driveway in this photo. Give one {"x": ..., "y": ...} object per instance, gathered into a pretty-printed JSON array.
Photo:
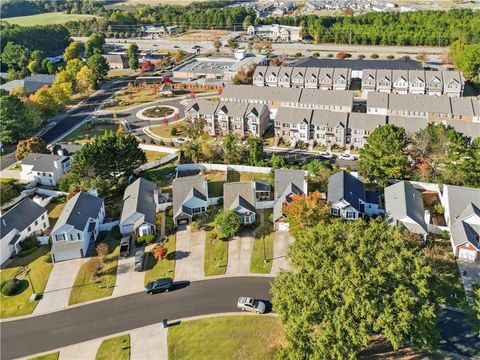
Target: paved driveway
[
  {"x": 128, "y": 281},
  {"x": 190, "y": 255},
  {"x": 239, "y": 254},
  {"x": 60, "y": 282},
  {"x": 149, "y": 343},
  {"x": 470, "y": 272},
  {"x": 280, "y": 247}
]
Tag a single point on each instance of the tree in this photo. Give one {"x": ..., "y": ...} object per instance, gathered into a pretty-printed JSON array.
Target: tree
[
  {"x": 276, "y": 162},
  {"x": 455, "y": 50},
  {"x": 178, "y": 56},
  {"x": 99, "y": 66},
  {"x": 147, "y": 66},
  {"x": 132, "y": 55},
  {"x": 194, "y": 129},
  {"x": 232, "y": 151},
  {"x": 232, "y": 44},
  {"x": 73, "y": 184},
  {"x": 73, "y": 51},
  {"x": 61, "y": 93},
  {"x": 318, "y": 172},
  {"x": 255, "y": 153},
  {"x": 32, "y": 145},
  {"x": 15, "y": 119},
  {"x": 244, "y": 76},
  {"x": 465, "y": 171},
  {"x": 384, "y": 157},
  {"x": 16, "y": 57},
  {"x": 345, "y": 288},
  {"x": 267, "y": 47},
  {"x": 10, "y": 189},
  {"x": 469, "y": 62},
  {"x": 94, "y": 44},
  {"x": 94, "y": 265},
  {"x": 227, "y": 223},
  {"x": 85, "y": 78},
  {"x": 217, "y": 44},
  {"x": 35, "y": 65},
  {"x": 247, "y": 22},
  {"x": 102, "y": 250},
  {"x": 45, "y": 102},
  {"x": 160, "y": 252}
]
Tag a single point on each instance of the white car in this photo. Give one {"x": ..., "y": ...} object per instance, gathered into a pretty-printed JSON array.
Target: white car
[
  {"x": 347, "y": 157},
  {"x": 326, "y": 155},
  {"x": 252, "y": 305}
]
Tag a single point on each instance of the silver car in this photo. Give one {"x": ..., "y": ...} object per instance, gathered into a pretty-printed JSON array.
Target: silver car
[{"x": 252, "y": 305}]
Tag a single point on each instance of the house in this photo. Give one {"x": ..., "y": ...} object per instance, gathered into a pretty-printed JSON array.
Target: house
[
  {"x": 46, "y": 169},
  {"x": 462, "y": 214},
  {"x": 240, "y": 197},
  {"x": 288, "y": 183},
  {"x": 29, "y": 84},
  {"x": 404, "y": 206},
  {"x": 285, "y": 76},
  {"x": 298, "y": 77},
  {"x": 77, "y": 226},
  {"x": 325, "y": 78},
  {"x": 360, "y": 126},
  {"x": 141, "y": 202},
  {"x": 348, "y": 197},
  {"x": 276, "y": 31},
  {"x": 116, "y": 61},
  {"x": 25, "y": 219},
  {"x": 262, "y": 190},
  {"x": 206, "y": 110},
  {"x": 259, "y": 76},
  {"x": 190, "y": 198}
]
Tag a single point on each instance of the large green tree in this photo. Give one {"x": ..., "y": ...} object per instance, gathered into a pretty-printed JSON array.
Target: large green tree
[
  {"x": 16, "y": 57},
  {"x": 469, "y": 62},
  {"x": 255, "y": 150},
  {"x": 99, "y": 66},
  {"x": 232, "y": 149},
  {"x": 73, "y": 51},
  {"x": 384, "y": 156},
  {"x": 32, "y": 145},
  {"x": 227, "y": 223},
  {"x": 132, "y": 55},
  {"x": 18, "y": 119},
  {"x": 94, "y": 44},
  {"x": 353, "y": 280}
]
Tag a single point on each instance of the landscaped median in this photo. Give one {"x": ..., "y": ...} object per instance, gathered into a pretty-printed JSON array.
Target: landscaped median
[
  {"x": 51, "y": 356},
  {"x": 88, "y": 284}
]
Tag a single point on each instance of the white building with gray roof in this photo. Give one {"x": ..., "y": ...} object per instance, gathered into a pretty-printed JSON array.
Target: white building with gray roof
[
  {"x": 190, "y": 198},
  {"x": 45, "y": 169},
  {"x": 29, "y": 84}
]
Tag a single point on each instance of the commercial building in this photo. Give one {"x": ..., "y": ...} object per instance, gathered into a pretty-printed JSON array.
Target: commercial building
[{"x": 276, "y": 32}]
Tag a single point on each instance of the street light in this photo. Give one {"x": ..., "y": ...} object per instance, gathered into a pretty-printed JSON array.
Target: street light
[{"x": 27, "y": 272}]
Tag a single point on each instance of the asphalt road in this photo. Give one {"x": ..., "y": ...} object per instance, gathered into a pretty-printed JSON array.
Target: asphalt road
[{"x": 7, "y": 161}]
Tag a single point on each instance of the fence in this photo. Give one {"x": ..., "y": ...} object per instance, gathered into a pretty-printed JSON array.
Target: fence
[
  {"x": 265, "y": 204},
  {"x": 157, "y": 148},
  {"x": 108, "y": 226},
  {"x": 224, "y": 167},
  {"x": 215, "y": 200},
  {"x": 156, "y": 163}
]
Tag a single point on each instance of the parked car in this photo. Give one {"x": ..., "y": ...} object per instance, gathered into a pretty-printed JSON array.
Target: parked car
[
  {"x": 159, "y": 285},
  {"x": 327, "y": 155},
  {"x": 346, "y": 156},
  {"x": 125, "y": 246},
  {"x": 139, "y": 260},
  {"x": 251, "y": 304}
]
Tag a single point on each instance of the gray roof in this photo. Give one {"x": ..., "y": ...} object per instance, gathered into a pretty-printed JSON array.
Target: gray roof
[
  {"x": 411, "y": 125},
  {"x": 256, "y": 109},
  {"x": 78, "y": 210},
  {"x": 368, "y": 122},
  {"x": 458, "y": 198},
  {"x": 299, "y": 71},
  {"x": 116, "y": 59},
  {"x": 327, "y": 97},
  {"x": 464, "y": 231},
  {"x": 287, "y": 182},
  {"x": 293, "y": 116},
  {"x": 468, "y": 128},
  {"x": 260, "y": 70},
  {"x": 139, "y": 198},
  {"x": 377, "y": 100},
  {"x": 202, "y": 106},
  {"x": 462, "y": 106},
  {"x": 239, "y": 194},
  {"x": 384, "y": 75},
  {"x": 400, "y": 74},
  {"x": 20, "y": 216},
  {"x": 329, "y": 118},
  {"x": 344, "y": 186},
  {"x": 413, "y": 75},
  {"x": 403, "y": 63},
  {"x": 284, "y": 71},
  {"x": 449, "y": 76},
  {"x": 419, "y": 103},
  {"x": 251, "y": 93},
  {"x": 311, "y": 71},
  {"x": 30, "y": 83},
  {"x": 185, "y": 188},
  {"x": 404, "y": 204},
  {"x": 369, "y": 73},
  {"x": 42, "y": 162},
  {"x": 232, "y": 109}
]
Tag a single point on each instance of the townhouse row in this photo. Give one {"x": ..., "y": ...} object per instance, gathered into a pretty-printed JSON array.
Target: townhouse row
[{"x": 429, "y": 82}]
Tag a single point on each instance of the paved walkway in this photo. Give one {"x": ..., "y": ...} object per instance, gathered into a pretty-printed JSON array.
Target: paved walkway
[
  {"x": 239, "y": 253},
  {"x": 128, "y": 280},
  {"x": 83, "y": 351},
  {"x": 149, "y": 343},
  {"x": 60, "y": 282},
  {"x": 190, "y": 255},
  {"x": 280, "y": 247}
]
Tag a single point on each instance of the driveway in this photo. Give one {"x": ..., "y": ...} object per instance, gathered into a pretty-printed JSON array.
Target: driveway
[
  {"x": 280, "y": 247},
  {"x": 190, "y": 255},
  {"x": 85, "y": 350},
  {"x": 128, "y": 280},
  {"x": 239, "y": 254},
  {"x": 149, "y": 343},
  {"x": 470, "y": 272},
  {"x": 60, "y": 282}
]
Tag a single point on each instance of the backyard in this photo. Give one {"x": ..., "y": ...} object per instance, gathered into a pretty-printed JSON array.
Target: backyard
[
  {"x": 234, "y": 176},
  {"x": 265, "y": 237},
  {"x": 154, "y": 155},
  {"x": 215, "y": 183},
  {"x": 54, "y": 209},
  {"x": 165, "y": 267},
  {"x": 226, "y": 337},
  {"x": 216, "y": 248},
  {"x": 87, "y": 285},
  {"x": 117, "y": 348},
  {"x": 89, "y": 130},
  {"x": 162, "y": 175},
  {"x": 10, "y": 189}
]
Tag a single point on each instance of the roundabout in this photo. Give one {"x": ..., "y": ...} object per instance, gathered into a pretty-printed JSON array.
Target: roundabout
[{"x": 158, "y": 112}]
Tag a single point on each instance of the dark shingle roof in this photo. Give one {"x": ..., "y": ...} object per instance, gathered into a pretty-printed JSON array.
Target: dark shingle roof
[
  {"x": 239, "y": 194},
  {"x": 185, "y": 188},
  {"x": 344, "y": 186},
  {"x": 397, "y": 64},
  {"x": 21, "y": 216},
  {"x": 138, "y": 198}
]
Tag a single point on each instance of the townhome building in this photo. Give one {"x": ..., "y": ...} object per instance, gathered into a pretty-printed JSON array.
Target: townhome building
[
  {"x": 190, "y": 198},
  {"x": 325, "y": 78},
  {"x": 24, "y": 219},
  {"x": 400, "y": 81},
  {"x": 45, "y": 169},
  {"x": 329, "y": 128},
  {"x": 77, "y": 226},
  {"x": 334, "y": 100},
  {"x": 292, "y": 125},
  {"x": 453, "y": 83},
  {"x": 434, "y": 85},
  {"x": 384, "y": 81},
  {"x": 285, "y": 76},
  {"x": 260, "y": 75},
  {"x": 206, "y": 110},
  {"x": 312, "y": 78},
  {"x": 369, "y": 80},
  {"x": 298, "y": 77},
  {"x": 360, "y": 126},
  {"x": 416, "y": 82},
  {"x": 276, "y": 31},
  {"x": 271, "y": 77}
]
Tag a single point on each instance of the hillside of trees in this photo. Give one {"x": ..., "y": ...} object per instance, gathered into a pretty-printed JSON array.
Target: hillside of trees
[{"x": 12, "y": 8}]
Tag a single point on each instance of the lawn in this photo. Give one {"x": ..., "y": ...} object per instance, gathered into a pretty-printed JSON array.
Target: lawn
[
  {"x": 10, "y": 189},
  {"x": 39, "y": 272},
  {"x": 117, "y": 348},
  {"x": 154, "y": 155},
  {"x": 119, "y": 73},
  {"x": 165, "y": 130},
  {"x": 226, "y": 337},
  {"x": 88, "y": 287},
  {"x": 54, "y": 209},
  {"x": 46, "y": 19},
  {"x": 162, "y": 175},
  {"x": 257, "y": 264},
  {"x": 51, "y": 356},
  {"x": 201, "y": 35},
  {"x": 216, "y": 248},
  {"x": 162, "y": 268},
  {"x": 215, "y": 183},
  {"x": 449, "y": 286},
  {"x": 88, "y": 131},
  {"x": 234, "y": 176},
  {"x": 133, "y": 97}
]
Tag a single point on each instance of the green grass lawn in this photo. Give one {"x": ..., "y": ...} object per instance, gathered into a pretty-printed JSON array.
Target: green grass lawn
[
  {"x": 257, "y": 264},
  {"x": 165, "y": 130},
  {"x": 117, "y": 348},
  {"x": 88, "y": 287},
  {"x": 235, "y": 176},
  {"x": 215, "y": 183},
  {"x": 88, "y": 131},
  {"x": 162, "y": 268},
  {"x": 39, "y": 272},
  {"x": 161, "y": 175},
  {"x": 51, "y": 356},
  {"x": 216, "y": 249},
  {"x": 46, "y": 19},
  {"x": 154, "y": 155},
  {"x": 226, "y": 337},
  {"x": 54, "y": 209},
  {"x": 10, "y": 189}
]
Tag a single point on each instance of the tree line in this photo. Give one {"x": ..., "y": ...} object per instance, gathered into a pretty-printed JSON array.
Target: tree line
[{"x": 12, "y": 8}]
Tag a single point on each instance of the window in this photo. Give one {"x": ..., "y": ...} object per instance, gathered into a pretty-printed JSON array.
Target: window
[
  {"x": 60, "y": 237},
  {"x": 29, "y": 229},
  {"x": 43, "y": 217},
  {"x": 36, "y": 222},
  {"x": 350, "y": 215},
  {"x": 335, "y": 212},
  {"x": 44, "y": 225},
  {"x": 78, "y": 236},
  {"x": 71, "y": 237}
]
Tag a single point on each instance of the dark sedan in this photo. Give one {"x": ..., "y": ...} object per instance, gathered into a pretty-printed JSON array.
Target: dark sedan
[{"x": 159, "y": 285}]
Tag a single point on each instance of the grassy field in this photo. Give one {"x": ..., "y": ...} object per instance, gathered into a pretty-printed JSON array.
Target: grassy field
[
  {"x": 117, "y": 348},
  {"x": 88, "y": 287},
  {"x": 216, "y": 248},
  {"x": 162, "y": 268},
  {"x": 201, "y": 35},
  {"x": 86, "y": 132},
  {"x": 39, "y": 272},
  {"x": 226, "y": 337},
  {"x": 165, "y": 131},
  {"x": 46, "y": 19},
  {"x": 154, "y": 155},
  {"x": 51, "y": 356},
  {"x": 257, "y": 264}
]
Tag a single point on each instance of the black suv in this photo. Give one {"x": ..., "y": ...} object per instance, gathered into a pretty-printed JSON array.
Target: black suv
[{"x": 159, "y": 285}]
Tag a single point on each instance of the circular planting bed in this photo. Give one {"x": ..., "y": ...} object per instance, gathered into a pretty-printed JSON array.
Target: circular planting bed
[{"x": 158, "y": 112}]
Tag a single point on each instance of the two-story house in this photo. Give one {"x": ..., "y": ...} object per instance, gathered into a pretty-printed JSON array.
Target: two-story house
[
  {"x": 204, "y": 109},
  {"x": 285, "y": 76},
  {"x": 400, "y": 81},
  {"x": 416, "y": 82},
  {"x": 292, "y": 125},
  {"x": 259, "y": 76},
  {"x": 369, "y": 80},
  {"x": 271, "y": 77},
  {"x": 190, "y": 198},
  {"x": 329, "y": 128},
  {"x": 453, "y": 83},
  {"x": 77, "y": 226},
  {"x": 311, "y": 78},
  {"x": 384, "y": 81},
  {"x": 46, "y": 169},
  {"x": 341, "y": 79},
  {"x": 360, "y": 126},
  {"x": 298, "y": 77}
]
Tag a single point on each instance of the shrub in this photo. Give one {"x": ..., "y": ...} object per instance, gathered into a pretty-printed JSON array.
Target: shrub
[
  {"x": 48, "y": 258},
  {"x": 160, "y": 252},
  {"x": 195, "y": 225},
  {"x": 102, "y": 250},
  {"x": 151, "y": 141},
  {"x": 438, "y": 209},
  {"x": 390, "y": 57},
  {"x": 361, "y": 56},
  {"x": 11, "y": 287},
  {"x": 316, "y": 54},
  {"x": 174, "y": 131},
  {"x": 147, "y": 239},
  {"x": 343, "y": 55},
  {"x": 29, "y": 243},
  {"x": 330, "y": 55},
  {"x": 298, "y": 54},
  {"x": 374, "y": 56},
  {"x": 445, "y": 234}
]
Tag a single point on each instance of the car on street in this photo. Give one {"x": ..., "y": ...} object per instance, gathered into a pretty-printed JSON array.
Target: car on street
[
  {"x": 125, "y": 246},
  {"x": 139, "y": 260},
  {"x": 159, "y": 285},
  {"x": 326, "y": 155},
  {"x": 346, "y": 156},
  {"x": 251, "y": 304}
]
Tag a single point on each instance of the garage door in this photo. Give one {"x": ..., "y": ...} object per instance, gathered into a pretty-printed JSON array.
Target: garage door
[
  {"x": 282, "y": 226},
  {"x": 466, "y": 254},
  {"x": 67, "y": 255},
  {"x": 182, "y": 222}
]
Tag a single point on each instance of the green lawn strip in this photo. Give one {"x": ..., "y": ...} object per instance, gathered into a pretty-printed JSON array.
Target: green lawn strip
[
  {"x": 162, "y": 175},
  {"x": 39, "y": 272},
  {"x": 88, "y": 287},
  {"x": 248, "y": 176},
  {"x": 216, "y": 249},
  {"x": 162, "y": 268},
  {"x": 226, "y": 337},
  {"x": 165, "y": 131},
  {"x": 88, "y": 131},
  {"x": 117, "y": 348},
  {"x": 257, "y": 263},
  {"x": 47, "y": 19},
  {"x": 154, "y": 155},
  {"x": 51, "y": 356}
]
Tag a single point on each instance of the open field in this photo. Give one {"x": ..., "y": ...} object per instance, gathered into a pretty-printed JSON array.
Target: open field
[
  {"x": 46, "y": 19},
  {"x": 201, "y": 35}
]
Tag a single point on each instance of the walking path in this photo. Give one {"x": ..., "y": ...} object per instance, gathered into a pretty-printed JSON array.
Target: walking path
[
  {"x": 239, "y": 253},
  {"x": 280, "y": 247},
  {"x": 128, "y": 280},
  {"x": 59, "y": 285},
  {"x": 149, "y": 342},
  {"x": 190, "y": 255},
  {"x": 83, "y": 351}
]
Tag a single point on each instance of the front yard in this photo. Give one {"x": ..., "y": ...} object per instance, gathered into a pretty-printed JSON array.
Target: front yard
[
  {"x": 162, "y": 268},
  {"x": 265, "y": 237},
  {"x": 226, "y": 337},
  {"x": 216, "y": 248},
  {"x": 87, "y": 285},
  {"x": 39, "y": 272},
  {"x": 117, "y": 348}
]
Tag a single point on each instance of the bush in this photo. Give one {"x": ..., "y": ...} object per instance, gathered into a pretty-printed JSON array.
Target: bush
[
  {"x": 361, "y": 57},
  {"x": 330, "y": 55},
  {"x": 29, "y": 243},
  {"x": 11, "y": 287},
  {"x": 174, "y": 131},
  {"x": 316, "y": 54},
  {"x": 151, "y": 141},
  {"x": 298, "y": 54},
  {"x": 48, "y": 258},
  {"x": 195, "y": 225},
  {"x": 374, "y": 56},
  {"x": 445, "y": 234},
  {"x": 438, "y": 209},
  {"x": 147, "y": 239},
  {"x": 343, "y": 55},
  {"x": 390, "y": 57}
]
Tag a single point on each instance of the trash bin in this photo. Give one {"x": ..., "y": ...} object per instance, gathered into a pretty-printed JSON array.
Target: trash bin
[{"x": 165, "y": 323}]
